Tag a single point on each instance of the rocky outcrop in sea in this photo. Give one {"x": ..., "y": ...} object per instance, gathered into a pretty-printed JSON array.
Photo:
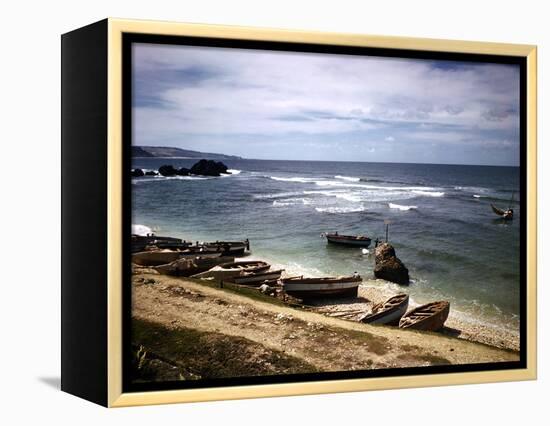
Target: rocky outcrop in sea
[
  {"x": 200, "y": 168},
  {"x": 388, "y": 266}
]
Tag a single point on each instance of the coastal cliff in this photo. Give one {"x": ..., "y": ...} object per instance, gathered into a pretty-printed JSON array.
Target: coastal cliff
[{"x": 173, "y": 152}]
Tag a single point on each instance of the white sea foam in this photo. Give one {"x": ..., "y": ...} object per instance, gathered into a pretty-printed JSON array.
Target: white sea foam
[
  {"x": 344, "y": 195},
  {"x": 402, "y": 208},
  {"x": 476, "y": 196},
  {"x": 278, "y": 195},
  {"x": 334, "y": 210},
  {"x": 293, "y": 179},
  {"x": 428, "y": 193},
  {"x": 234, "y": 171},
  {"x": 348, "y": 178},
  {"x": 292, "y": 202},
  {"x": 141, "y": 230}
]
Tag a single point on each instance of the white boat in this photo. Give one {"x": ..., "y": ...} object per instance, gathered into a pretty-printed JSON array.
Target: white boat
[
  {"x": 253, "y": 278},
  {"x": 388, "y": 312},
  {"x": 163, "y": 257},
  {"x": 304, "y": 288}
]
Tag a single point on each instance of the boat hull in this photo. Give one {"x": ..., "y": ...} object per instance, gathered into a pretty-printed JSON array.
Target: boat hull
[
  {"x": 432, "y": 322},
  {"x": 188, "y": 267},
  {"x": 348, "y": 242},
  {"x": 388, "y": 317},
  {"x": 317, "y": 290},
  {"x": 258, "y": 278},
  {"x": 155, "y": 258}
]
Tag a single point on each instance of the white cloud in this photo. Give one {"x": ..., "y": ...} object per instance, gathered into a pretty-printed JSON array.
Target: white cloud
[{"x": 223, "y": 92}]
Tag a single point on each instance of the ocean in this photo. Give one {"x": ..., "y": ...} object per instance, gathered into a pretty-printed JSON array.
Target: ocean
[{"x": 441, "y": 223}]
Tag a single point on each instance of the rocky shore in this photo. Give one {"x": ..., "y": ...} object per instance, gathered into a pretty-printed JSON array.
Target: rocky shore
[{"x": 201, "y": 168}]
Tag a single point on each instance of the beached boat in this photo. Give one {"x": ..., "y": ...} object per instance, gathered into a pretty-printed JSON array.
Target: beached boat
[
  {"x": 154, "y": 258},
  {"x": 163, "y": 257},
  {"x": 185, "y": 267},
  {"x": 257, "y": 278},
  {"x": 232, "y": 248},
  {"x": 306, "y": 288},
  {"x": 146, "y": 242},
  {"x": 247, "y": 266},
  {"x": 348, "y": 240},
  {"x": 429, "y": 317},
  {"x": 388, "y": 312}
]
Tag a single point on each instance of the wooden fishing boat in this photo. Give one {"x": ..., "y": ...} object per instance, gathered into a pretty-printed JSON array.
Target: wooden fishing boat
[
  {"x": 163, "y": 257},
  {"x": 154, "y": 258},
  {"x": 388, "y": 312},
  {"x": 306, "y": 288},
  {"x": 185, "y": 267},
  {"x": 429, "y": 317},
  {"x": 148, "y": 242},
  {"x": 504, "y": 214},
  {"x": 232, "y": 248},
  {"x": 247, "y": 266},
  {"x": 228, "y": 271},
  {"x": 348, "y": 240},
  {"x": 257, "y": 278}
]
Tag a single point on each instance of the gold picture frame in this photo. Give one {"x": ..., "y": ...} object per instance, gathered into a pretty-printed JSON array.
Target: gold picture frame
[{"x": 115, "y": 29}]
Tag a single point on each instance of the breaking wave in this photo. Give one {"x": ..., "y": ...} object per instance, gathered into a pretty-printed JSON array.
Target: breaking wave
[
  {"x": 402, "y": 208},
  {"x": 348, "y": 178},
  {"x": 341, "y": 209},
  {"x": 141, "y": 230},
  {"x": 428, "y": 193}
]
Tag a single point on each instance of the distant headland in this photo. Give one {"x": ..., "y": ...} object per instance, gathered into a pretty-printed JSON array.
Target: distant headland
[{"x": 172, "y": 152}]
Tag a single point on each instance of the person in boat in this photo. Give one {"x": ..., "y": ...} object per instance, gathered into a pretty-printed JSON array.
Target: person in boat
[
  {"x": 355, "y": 275},
  {"x": 376, "y": 242}
]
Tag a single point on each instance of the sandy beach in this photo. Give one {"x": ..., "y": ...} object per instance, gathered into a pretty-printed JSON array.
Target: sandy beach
[{"x": 279, "y": 339}]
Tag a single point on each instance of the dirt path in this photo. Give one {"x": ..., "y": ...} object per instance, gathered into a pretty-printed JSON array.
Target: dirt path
[{"x": 329, "y": 344}]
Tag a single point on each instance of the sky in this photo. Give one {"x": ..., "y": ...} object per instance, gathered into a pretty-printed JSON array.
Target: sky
[{"x": 304, "y": 106}]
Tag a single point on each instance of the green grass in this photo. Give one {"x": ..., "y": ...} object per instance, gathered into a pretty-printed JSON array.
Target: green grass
[{"x": 197, "y": 354}]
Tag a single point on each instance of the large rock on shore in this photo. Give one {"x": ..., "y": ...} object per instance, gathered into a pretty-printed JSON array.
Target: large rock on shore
[
  {"x": 137, "y": 173},
  {"x": 167, "y": 170},
  {"x": 388, "y": 266},
  {"x": 208, "y": 168}
]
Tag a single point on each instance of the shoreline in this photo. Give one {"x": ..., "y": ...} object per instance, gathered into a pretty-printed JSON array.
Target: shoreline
[
  {"x": 204, "y": 324},
  {"x": 372, "y": 292}
]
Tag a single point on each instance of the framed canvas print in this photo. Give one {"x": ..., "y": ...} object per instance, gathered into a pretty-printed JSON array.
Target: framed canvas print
[{"x": 251, "y": 212}]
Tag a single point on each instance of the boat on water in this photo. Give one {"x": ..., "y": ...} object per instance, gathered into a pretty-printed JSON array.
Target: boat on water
[
  {"x": 257, "y": 278},
  {"x": 507, "y": 214},
  {"x": 163, "y": 257},
  {"x": 388, "y": 312},
  {"x": 504, "y": 214},
  {"x": 308, "y": 288},
  {"x": 185, "y": 267},
  {"x": 429, "y": 317},
  {"x": 247, "y": 266},
  {"x": 348, "y": 240}
]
